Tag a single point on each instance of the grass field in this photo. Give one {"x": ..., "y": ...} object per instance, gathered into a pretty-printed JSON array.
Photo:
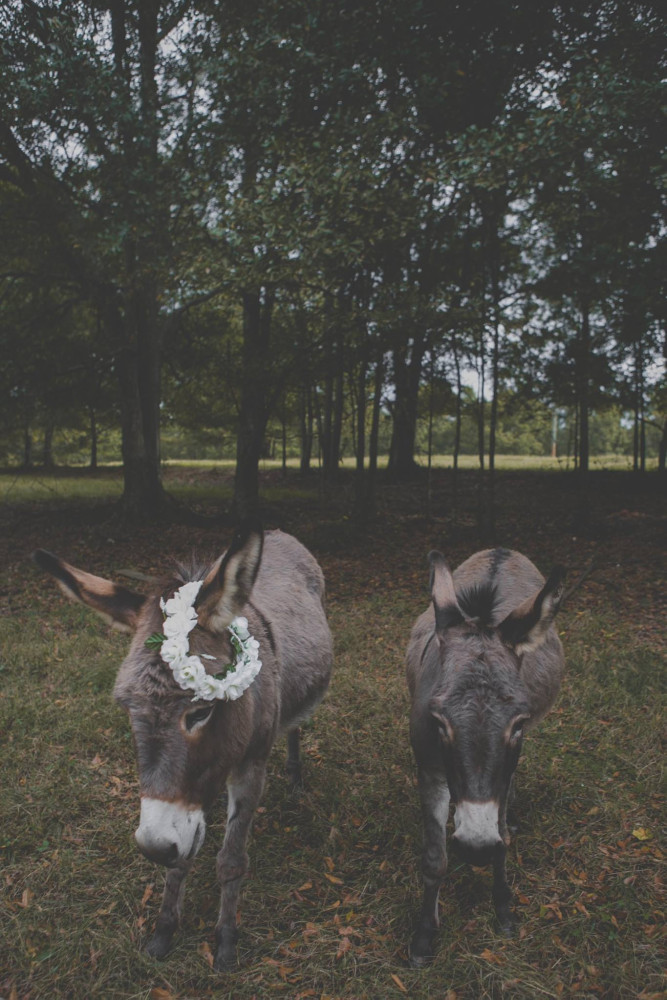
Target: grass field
[
  {"x": 71, "y": 484},
  {"x": 334, "y": 886}
]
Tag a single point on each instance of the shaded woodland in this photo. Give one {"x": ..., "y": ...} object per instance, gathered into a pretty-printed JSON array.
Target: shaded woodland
[{"x": 225, "y": 217}]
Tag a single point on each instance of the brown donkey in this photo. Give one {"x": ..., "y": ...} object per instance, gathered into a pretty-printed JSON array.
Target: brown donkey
[
  {"x": 221, "y": 663},
  {"x": 484, "y": 664}
]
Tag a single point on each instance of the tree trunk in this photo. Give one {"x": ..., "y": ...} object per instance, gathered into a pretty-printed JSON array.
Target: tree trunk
[
  {"x": 429, "y": 444},
  {"x": 139, "y": 376},
  {"x": 332, "y": 416},
  {"x": 133, "y": 309},
  {"x": 360, "y": 440},
  {"x": 457, "y": 424},
  {"x": 253, "y": 411},
  {"x": 337, "y": 423},
  {"x": 662, "y": 452},
  {"x": 306, "y": 422},
  {"x": 495, "y": 365},
  {"x": 582, "y": 513},
  {"x": 283, "y": 442},
  {"x": 47, "y": 454},
  {"x": 27, "y": 448},
  {"x": 481, "y": 389},
  {"x": 378, "y": 382},
  {"x": 642, "y": 421},
  {"x": 407, "y": 376},
  {"x": 584, "y": 391},
  {"x": 93, "y": 437}
]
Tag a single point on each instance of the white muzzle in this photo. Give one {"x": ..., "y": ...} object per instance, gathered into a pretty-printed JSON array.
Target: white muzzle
[
  {"x": 169, "y": 832},
  {"x": 476, "y": 824}
]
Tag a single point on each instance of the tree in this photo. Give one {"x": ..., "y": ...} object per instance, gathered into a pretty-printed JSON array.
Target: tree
[{"x": 98, "y": 117}]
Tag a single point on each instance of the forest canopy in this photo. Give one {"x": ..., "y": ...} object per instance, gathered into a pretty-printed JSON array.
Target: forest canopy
[{"x": 231, "y": 229}]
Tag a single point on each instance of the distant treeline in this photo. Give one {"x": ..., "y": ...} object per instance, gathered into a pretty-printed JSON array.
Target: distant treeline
[{"x": 523, "y": 429}]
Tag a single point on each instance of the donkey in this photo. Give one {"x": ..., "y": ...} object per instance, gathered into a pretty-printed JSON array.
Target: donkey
[
  {"x": 484, "y": 664},
  {"x": 188, "y": 748}
]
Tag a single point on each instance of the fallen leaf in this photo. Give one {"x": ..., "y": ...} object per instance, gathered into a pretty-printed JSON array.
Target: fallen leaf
[
  {"x": 398, "y": 982},
  {"x": 204, "y": 950},
  {"x": 641, "y": 833},
  {"x": 343, "y": 947},
  {"x": 333, "y": 878}
]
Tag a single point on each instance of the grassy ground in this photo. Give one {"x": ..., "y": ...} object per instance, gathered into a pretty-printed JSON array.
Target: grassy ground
[
  {"x": 106, "y": 483},
  {"x": 334, "y": 887}
]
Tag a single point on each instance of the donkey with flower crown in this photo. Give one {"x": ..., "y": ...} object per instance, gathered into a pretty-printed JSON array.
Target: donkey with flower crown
[{"x": 221, "y": 663}]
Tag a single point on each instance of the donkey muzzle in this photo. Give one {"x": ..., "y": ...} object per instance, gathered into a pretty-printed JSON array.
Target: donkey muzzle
[
  {"x": 476, "y": 838},
  {"x": 169, "y": 832}
]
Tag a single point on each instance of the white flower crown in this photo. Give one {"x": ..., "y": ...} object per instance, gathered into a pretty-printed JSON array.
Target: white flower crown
[{"x": 188, "y": 670}]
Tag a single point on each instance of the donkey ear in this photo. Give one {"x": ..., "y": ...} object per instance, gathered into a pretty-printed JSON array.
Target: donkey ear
[
  {"x": 445, "y": 605},
  {"x": 526, "y": 627},
  {"x": 226, "y": 589},
  {"x": 117, "y": 605}
]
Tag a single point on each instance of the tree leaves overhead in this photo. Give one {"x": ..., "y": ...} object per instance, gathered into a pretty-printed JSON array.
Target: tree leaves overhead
[{"x": 387, "y": 184}]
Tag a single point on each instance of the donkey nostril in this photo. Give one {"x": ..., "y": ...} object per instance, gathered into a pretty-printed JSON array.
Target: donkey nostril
[
  {"x": 160, "y": 853},
  {"x": 478, "y": 855}
]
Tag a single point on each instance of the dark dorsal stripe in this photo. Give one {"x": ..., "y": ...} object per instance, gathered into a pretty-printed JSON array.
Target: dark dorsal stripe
[{"x": 497, "y": 559}]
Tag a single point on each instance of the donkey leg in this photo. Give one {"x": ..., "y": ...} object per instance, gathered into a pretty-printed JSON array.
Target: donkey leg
[
  {"x": 294, "y": 759},
  {"x": 512, "y": 822},
  {"x": 502, "y": 894},
  {"x": 434, "y": 795},
  {"x": 170, "y": 913},
  {"x": 244, "y": 791}
]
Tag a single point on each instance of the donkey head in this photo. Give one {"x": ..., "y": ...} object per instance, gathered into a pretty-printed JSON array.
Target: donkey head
[
  {"x": 181, "y": 744},
  {"x": 483, "y": 704}
]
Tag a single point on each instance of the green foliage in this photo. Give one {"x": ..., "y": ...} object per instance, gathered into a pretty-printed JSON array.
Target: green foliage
[{"x": 206, "y": 206}]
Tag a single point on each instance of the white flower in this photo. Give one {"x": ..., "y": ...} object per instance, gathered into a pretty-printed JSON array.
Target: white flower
[
  {"x": 240, "y": 626},
  {"x": 188, "y": 670},
  {"x": 179, "y": 624},
  {"x": 183, "y": 600},
  {"x": 209, "y": 688},
  {"x": 175, "y": 648},
  {"x": 191, "y": 672}
]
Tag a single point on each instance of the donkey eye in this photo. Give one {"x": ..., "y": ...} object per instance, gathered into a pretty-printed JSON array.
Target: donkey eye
[
  {"x": 195, "y": 719},
  {"x": 517, "y": 732}
]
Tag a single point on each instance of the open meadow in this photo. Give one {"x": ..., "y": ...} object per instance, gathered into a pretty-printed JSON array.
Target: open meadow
[{"x": 334, "y": 886}]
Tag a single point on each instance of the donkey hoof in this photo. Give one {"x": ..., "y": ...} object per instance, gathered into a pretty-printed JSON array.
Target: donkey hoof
[
  {"x": 225, "y": 963},
  {"x": 159, "y": 945},
  {"x": 507, "y": 923},
  {"x": 226, "y": 959},
  {"x": 422, "y": 949}
]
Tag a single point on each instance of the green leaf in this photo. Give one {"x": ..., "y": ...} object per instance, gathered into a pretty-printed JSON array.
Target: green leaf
[{"x": 155, "y": 640}]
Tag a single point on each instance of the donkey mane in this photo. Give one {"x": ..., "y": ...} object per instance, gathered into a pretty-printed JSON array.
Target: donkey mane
[{"x": 477, "y": 602}]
